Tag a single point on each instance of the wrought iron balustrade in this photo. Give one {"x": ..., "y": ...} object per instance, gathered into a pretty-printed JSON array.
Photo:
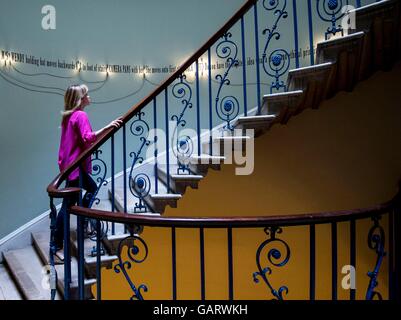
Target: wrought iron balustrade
[{"x": 250, "y": 56}]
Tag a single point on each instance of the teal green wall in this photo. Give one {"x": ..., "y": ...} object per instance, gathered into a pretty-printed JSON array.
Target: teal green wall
[{"x": 154, "y": 32}]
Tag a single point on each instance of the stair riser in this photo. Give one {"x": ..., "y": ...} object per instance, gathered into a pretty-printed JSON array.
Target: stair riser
[
  {"x": 177, "y": 186},
  {"x": 159, "y": 205}
]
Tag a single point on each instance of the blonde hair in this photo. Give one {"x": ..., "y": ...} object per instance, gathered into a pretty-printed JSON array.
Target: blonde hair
[{"x": 72, "y": 99}]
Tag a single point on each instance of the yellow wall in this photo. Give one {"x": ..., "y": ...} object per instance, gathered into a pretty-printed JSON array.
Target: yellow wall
[{"x": 345, "y": 155}]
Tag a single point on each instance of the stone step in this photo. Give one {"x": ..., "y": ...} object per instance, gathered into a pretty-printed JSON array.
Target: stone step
[
  {"x": 74, "y": 290},
  {"x": 347, "y": 53},
  {"x": 201, "y": 164},
  {"x": 382, "y": 45},
  {"x": 41, "y": 244},
  {"x": 260, "y": 124},
  {"x": 29, "y": 273},
  {"x": 106, "y": 260},
  {"x": 8, "y": 289},
  {"x": 225, "y": 145},
  {"x": 159, "y": 202},
  {"x": 280, "y": 104},
  {"x": 178, "y": 182},
  {"x": 112, "y": 242},
  {"x": 314, "y": 82},
  {"x": 131, "y": 202}
]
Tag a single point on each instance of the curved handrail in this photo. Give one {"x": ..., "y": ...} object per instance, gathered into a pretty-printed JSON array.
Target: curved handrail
[
  {"x": 53, "y": 190},
  {"x": 237, "y": 222}
]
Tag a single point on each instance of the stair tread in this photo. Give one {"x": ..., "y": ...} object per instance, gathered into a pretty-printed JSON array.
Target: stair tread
[
  {"x": 231, "y": 138},
  {"x": 283, "y": 94},
  {"x": 28, "y": 272},
  {"x": 88, "y": 246},
  {"x": 311, "y": 69},
  {"x": 8, "y": 289},
  {"x": 371, "y": 7},
  {"x": 340, "y": 40},
  {"x": 204, "y": 157},
  {"x": 131, "y": 201},
  {"x": 42, "y": 247},
  {"x": 166, "y": 196},
  {"x": 260, "y": 118},
  {"x": 177, "y": 176}
]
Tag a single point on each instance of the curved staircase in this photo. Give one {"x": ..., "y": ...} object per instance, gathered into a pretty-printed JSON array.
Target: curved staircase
[{"x": 341, "y": 64}]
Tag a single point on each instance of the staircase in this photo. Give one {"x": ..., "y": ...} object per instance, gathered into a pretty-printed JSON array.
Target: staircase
[{"x": 340, "y": 64}]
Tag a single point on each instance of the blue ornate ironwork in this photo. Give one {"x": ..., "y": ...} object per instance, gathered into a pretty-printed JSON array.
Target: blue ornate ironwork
[
  {"x": 228, "y": 108},
  {"x": 278, "y": 62},
  {"x": 52, "y": 250},
  {"x": 183, "y": 145},
  {"x": 275, "y": 257},
  {"x": 133, "y": 252},
  {"x": 139, "y": 184},
  {"x": 376, "y": 241},
  {"x": 331, "y": 11},
  {"x": 99, "y": 173}
]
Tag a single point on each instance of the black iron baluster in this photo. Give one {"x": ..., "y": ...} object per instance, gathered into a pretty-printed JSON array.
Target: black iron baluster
[
  {"x": 125, "y": 167},
  {"x": 125, "y": 170},
  {"x": 80, "y": 244},
  {"x": 244, "y": 67},
  {"x": 52, "y": 249},
  {"x": 98, "y": 261},
  {"x": 209, "y": 59},
  {"x": 397, "y": 257},
  {"x": 174, "y": 262},
  {"x": 312, "y": 262},
  {"x": 353, "y": 253},
  {"x": 334, "y": 268},
  {"x": 198, "y": 108},
  {"x": 312, "y": 56},
  {"x": 391, "y": 255},
  {"x": 230, "y": 264},
  {"x": 167, "y": 141},
  {"x": 202, "y": 262},
  {"x": 113, "y": 208},
  {"x": 294, "y": 6},
  {"x": 155, "y": 142},
  {"x": 258, "y": 96},
  {"x": 67, "y": 255}
]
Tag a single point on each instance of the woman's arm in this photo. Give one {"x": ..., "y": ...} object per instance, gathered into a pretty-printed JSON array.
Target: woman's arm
[{"x": 115, "y": 123}]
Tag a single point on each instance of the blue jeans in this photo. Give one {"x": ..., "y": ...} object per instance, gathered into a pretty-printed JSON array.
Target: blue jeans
[{"x": 90, "y": 186}]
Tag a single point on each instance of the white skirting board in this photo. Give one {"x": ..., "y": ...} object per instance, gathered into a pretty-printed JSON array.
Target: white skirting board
[{"x": 21, "y": 237}]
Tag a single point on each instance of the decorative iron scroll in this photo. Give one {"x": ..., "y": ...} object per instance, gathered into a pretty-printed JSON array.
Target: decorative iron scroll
[
  {"x": 139, "y": 185},
  {"x": 183, "y": 144},
  {"x": 332, "y": 11},
  {"x": 227, "y": 108},
  {"x": 99, "y": 173},
  {"x": 277, "y": 63},
  {"x": 274, "y": 257},
  {"x": 376, "y": 242},
  {"x": 137, "y": 252}
]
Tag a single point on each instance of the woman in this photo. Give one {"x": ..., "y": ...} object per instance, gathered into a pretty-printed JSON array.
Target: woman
[{"x": 76, "y": 137}]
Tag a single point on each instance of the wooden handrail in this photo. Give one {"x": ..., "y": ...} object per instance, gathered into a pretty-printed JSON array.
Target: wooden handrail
[
  {"x": 236, "y": 222},
  {"x": 52, "y": 189}
]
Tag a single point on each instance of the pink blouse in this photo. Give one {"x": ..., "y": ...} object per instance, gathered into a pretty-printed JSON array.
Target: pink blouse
[{"x": 76, "y": 137}]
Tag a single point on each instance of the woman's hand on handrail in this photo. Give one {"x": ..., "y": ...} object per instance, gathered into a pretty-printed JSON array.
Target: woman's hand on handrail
[{"x": 114, "y": 124}]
